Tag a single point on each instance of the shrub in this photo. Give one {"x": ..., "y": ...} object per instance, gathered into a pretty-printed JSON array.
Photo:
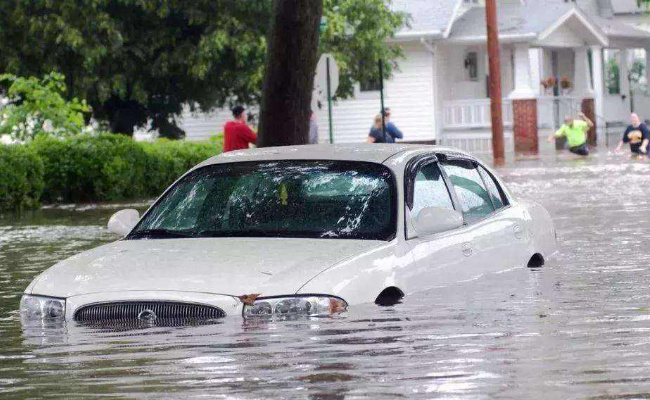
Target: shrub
[
  {"x": 91, "y": 168},
  {"x": 168, "y": 160},
  {"x": 88, "y": 168},
  {"x": 113, "y": 167},
  {"x": 21, "y": 178}
]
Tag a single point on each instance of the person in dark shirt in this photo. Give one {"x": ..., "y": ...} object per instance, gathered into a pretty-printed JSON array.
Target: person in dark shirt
[
  {"x": 390, "y": 125},
  {"x": 237, "y": 135},
  {"x": 377, "y": 136},
  {"x": 637, "y": 135}
]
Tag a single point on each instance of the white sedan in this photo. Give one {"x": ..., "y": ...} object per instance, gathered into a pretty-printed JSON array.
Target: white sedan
[{"x": 306, "y": 230}]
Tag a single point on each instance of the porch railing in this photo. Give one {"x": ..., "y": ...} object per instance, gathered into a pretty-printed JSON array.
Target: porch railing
[{"x": 473, "y": 114}]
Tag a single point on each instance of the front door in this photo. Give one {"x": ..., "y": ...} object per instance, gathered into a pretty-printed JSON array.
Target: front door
[
  {"x": 440, "y": 259},
  {"x": 497, "y": 234}
]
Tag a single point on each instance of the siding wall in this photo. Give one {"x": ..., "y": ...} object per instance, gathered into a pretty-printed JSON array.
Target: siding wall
[{"x": 409, "y": 95}]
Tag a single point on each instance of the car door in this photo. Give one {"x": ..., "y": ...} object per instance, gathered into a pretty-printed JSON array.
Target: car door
[
  {"x": 489, "y": 223},
  {"x": 439, "y": 259},
  {"x": 518, "y": 239}
]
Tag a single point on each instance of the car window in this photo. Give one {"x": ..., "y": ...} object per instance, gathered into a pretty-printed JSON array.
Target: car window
[
  {"x": 496, "y": 194},
  {"x": 299, "y": 199},
  {"x": 430, "y": 190},
  {"x": 473, "y": 196}
]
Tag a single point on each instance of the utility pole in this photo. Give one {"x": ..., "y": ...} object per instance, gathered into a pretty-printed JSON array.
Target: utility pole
[{"x": 494, "y": 55}]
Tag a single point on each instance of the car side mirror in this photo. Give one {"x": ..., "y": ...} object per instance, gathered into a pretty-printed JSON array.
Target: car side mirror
[
  {"x": 123, "y": 221},
  {"x": 432, "y": 220}
]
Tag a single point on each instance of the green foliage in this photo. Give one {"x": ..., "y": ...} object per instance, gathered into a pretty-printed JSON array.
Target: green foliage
[
  {"x": 21, "y": 178},
  {"x": 37, "y": 106},
  {"x": 613, "y": 77},
  {"x": 136, "y": 61},
  {"x": 88, "y": 168},
  {"x": 168, "y": 160},
  {"x": 636, "y": 75},
  {"x": 356, "y": 33}
]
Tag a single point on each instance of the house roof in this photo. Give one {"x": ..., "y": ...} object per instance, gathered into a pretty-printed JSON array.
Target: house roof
[
  {"x": 627, "y": 7},
  {"x": 426, "y": 17},
  {"x": 514, "y": 19},
  {"x": 517, "y": 21},
  {"x": 617, "y": 29}
]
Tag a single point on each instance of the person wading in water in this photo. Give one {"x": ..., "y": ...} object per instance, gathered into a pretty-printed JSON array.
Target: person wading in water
[
  {"x": 575, "y": 131},
  {"x": 637, "y": 135}
]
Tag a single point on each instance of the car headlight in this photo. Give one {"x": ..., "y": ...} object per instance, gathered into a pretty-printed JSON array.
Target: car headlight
[
  {"x": 40, "y": 307},
  {"x": 307, "y": 305}
]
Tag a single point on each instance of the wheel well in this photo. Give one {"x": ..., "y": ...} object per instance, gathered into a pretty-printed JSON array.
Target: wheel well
[
  {"x": 536, "y": 261},
  {"x": 389, "y": 296}
]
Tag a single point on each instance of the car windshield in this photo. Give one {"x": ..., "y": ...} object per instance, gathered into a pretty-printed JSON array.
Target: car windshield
[{"x": 299, "y": 199}]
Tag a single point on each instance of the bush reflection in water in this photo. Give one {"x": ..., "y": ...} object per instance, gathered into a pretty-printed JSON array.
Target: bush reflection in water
[{"x": 576, "y": 328}]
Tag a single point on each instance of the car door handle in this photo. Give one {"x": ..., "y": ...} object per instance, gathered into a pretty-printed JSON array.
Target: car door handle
[
  {"x": 467, "y": 249},
  {"x": 518, "y": 231}
]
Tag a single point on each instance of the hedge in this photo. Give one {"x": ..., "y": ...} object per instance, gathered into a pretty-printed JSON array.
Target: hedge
[
  {"x": 87, "y": 168},
  {"x": 21, "y": 178}
]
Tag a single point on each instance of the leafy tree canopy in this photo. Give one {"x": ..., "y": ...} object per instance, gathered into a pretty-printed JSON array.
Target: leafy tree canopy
[
  {"x": 38, "y": 107},
  {"x": 136, "y": 61}
]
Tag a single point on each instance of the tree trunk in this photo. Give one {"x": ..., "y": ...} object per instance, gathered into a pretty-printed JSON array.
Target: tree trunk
[{"x": 292, "y": 55}]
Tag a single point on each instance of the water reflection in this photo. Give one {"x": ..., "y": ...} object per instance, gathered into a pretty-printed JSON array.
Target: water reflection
[{"x": 576, "y": 328}]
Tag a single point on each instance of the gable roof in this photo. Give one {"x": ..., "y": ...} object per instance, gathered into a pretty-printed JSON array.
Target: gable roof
[
  {"x": 533, "y": 20},
  {"x": 617, "y": 29},
  {"x": 430, "y": 18},
  {"x": 627, "y": 7},
  {"x": 514, "y": 20}
]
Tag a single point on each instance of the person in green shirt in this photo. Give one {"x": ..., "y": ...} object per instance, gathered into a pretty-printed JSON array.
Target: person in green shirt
[{"x": 575, "y": 131}]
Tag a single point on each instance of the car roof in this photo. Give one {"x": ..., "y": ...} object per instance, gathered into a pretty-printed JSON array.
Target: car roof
[{"x": 368, "y": 152}]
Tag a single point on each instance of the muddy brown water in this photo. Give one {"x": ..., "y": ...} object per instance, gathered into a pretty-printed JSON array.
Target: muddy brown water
[{"x": 579, "y": 328}]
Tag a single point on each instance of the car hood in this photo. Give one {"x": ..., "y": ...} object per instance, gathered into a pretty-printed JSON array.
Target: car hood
[{"x": 230, "y": 266}]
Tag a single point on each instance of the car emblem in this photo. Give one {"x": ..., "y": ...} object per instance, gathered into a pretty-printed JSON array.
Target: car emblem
[{"x": 147, "y": 315}]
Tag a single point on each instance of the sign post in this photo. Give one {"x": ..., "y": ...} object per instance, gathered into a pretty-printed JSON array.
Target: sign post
[
  {"x": 326, "y": 83},
  {"x": 329, "y": 100},
  {"x": 381, "y": 97}
]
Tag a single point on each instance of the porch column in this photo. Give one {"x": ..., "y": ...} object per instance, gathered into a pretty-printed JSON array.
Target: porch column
[
  {"x": 524, "y": 103},
  {"x": 599, "y": 90},
  {"x": 583, "y": 89},
  {"x": 582, "y": 74}
]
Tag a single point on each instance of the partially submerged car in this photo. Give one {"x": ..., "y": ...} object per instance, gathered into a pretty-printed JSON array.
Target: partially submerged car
[{"x": 304, "y": 230}]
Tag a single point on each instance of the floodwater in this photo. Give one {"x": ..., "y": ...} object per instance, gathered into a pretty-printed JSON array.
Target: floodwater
[{"x": 579, "y": 328}]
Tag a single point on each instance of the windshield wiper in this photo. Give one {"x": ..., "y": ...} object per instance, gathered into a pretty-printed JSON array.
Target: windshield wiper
[
  {"x": 226, "y": 233},
  {"x": 159, "y": 233}
]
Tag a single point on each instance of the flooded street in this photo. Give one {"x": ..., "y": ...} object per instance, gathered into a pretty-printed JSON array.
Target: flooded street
[{"x": 579, "y": 328}]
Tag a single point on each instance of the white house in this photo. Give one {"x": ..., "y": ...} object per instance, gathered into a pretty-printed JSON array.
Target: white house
[{"x": 440, "y": 91}]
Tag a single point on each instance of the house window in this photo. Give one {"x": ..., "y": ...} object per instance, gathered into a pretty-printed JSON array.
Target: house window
[
  {"x": 370, "y": 85},
  {"x": 471, "y": 65}
]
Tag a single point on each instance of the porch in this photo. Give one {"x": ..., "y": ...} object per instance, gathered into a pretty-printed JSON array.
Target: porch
[{"x": 573, "y": 66}]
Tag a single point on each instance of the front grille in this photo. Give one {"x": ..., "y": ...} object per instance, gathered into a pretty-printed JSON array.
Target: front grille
[{"x": 146, "y": 311}]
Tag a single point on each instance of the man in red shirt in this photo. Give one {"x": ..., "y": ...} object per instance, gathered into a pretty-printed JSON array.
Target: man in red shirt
[{"x": 237, "y": 134}]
